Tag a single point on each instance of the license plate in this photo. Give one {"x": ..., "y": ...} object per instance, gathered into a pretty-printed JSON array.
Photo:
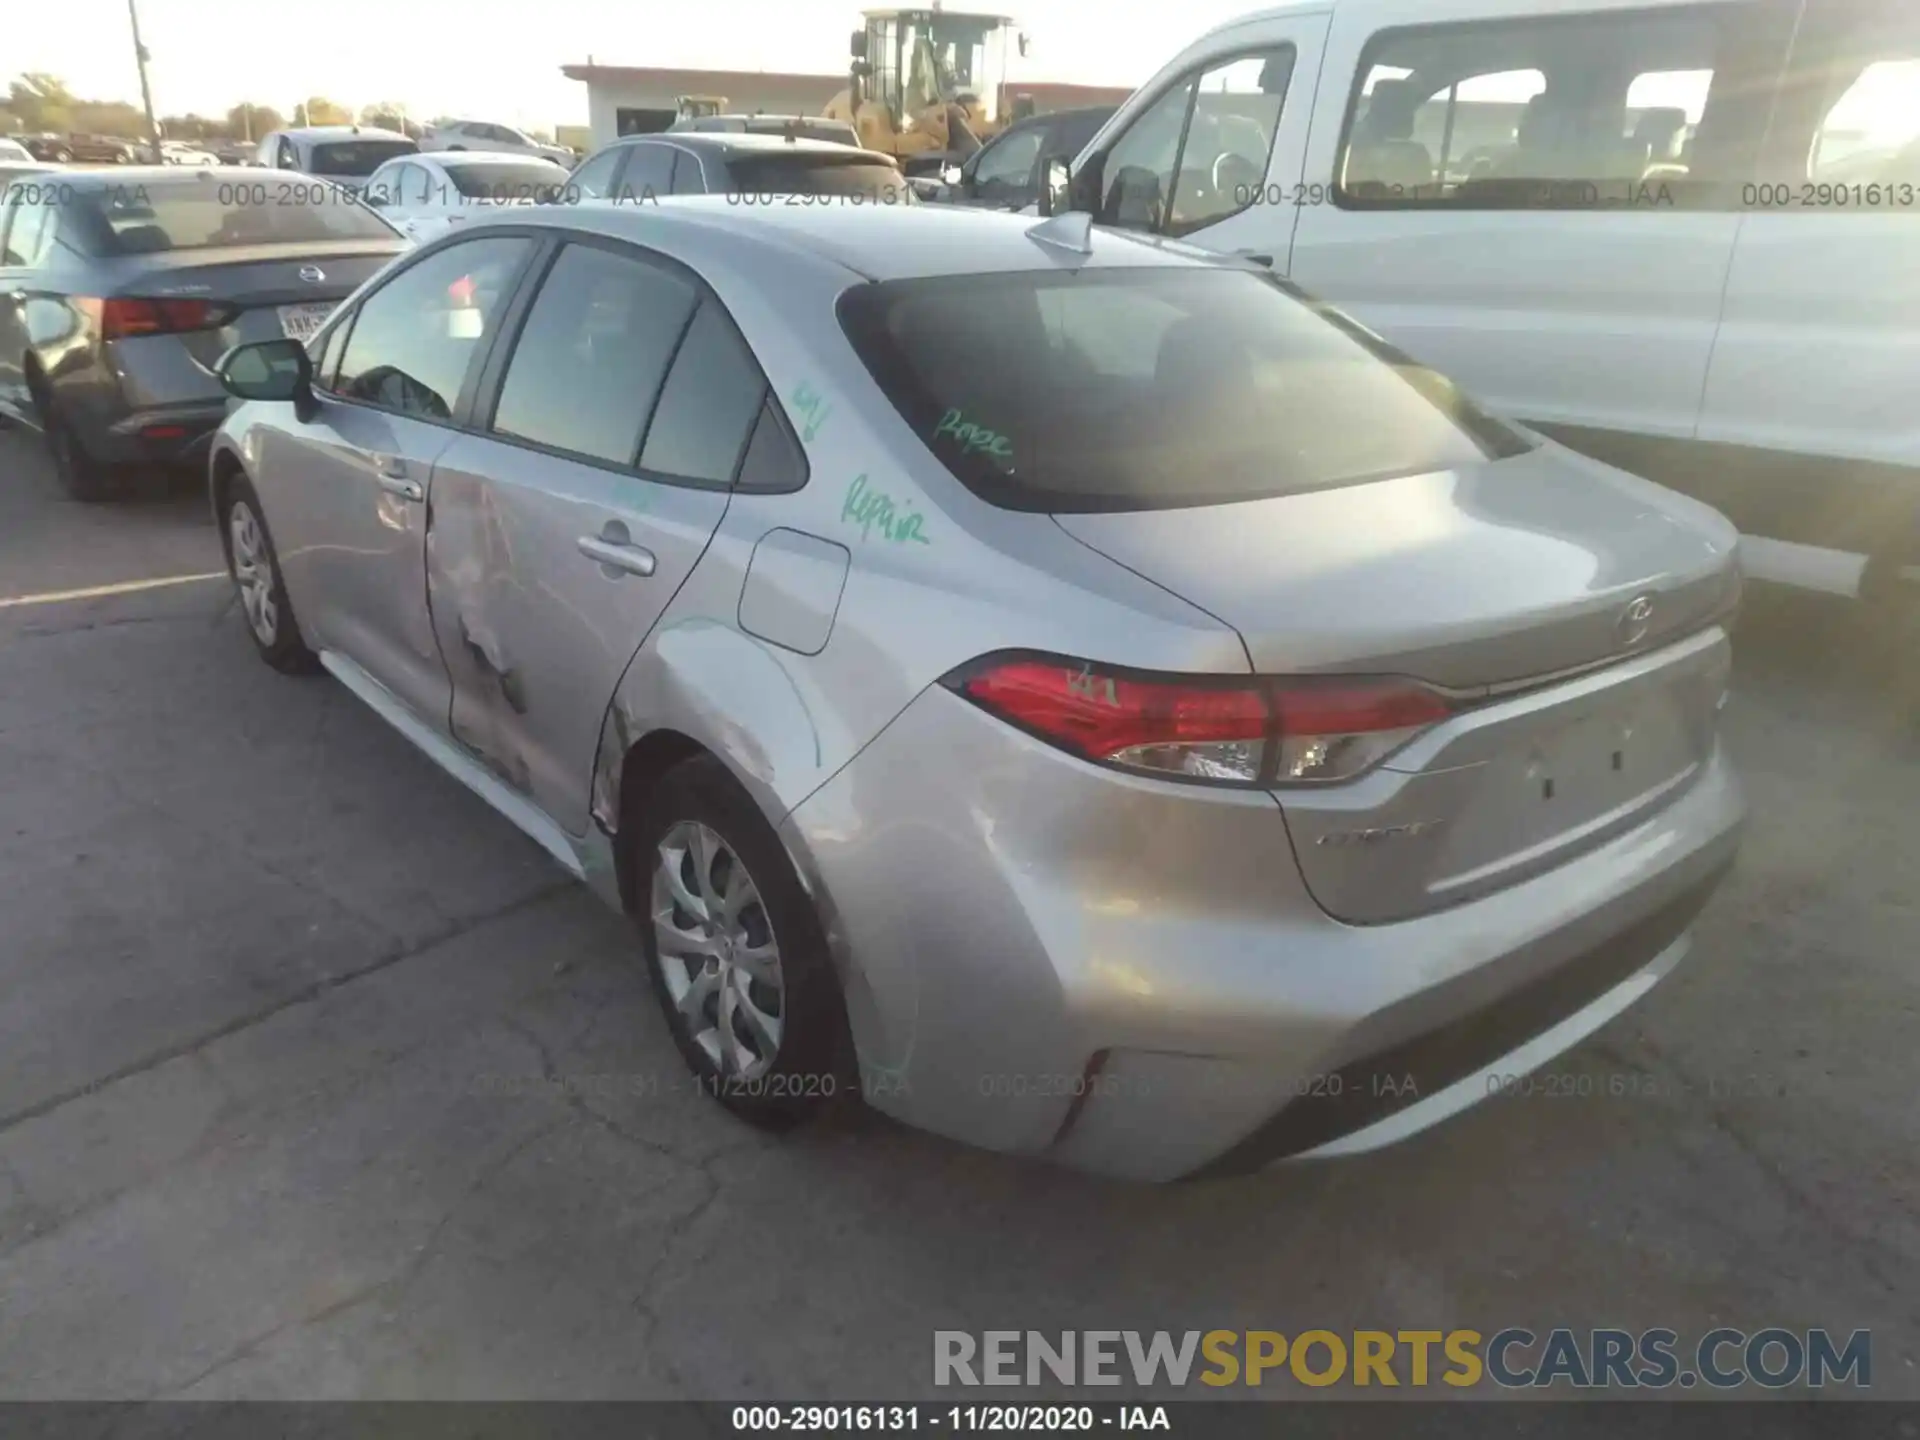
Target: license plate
[{"x": 303, "y": 322}]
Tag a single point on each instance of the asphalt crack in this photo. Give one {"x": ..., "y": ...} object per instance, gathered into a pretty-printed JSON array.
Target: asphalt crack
[{"x": 305, "y": 995}]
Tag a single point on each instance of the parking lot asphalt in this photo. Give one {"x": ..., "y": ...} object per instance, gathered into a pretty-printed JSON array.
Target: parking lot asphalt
[{"x": 318, "y": 1080}]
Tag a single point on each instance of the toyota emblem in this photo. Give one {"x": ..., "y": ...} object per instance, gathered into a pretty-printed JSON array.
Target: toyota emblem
[
  {"x": 1636, "y": 620},
  {"x": 312, "y": 274}
]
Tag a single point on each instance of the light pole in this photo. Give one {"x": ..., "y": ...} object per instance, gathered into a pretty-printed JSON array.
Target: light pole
[{"x": 146, "y": 92}]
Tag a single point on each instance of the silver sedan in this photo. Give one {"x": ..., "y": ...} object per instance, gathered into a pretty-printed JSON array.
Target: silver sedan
[{"x": 1076, "y": 693}]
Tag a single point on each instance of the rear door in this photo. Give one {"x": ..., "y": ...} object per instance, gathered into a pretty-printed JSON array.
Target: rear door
[
  {"x": 608, "y": 443},
  {"x": 1542, "y": 206},
  {"x": 353, "y": 482}
]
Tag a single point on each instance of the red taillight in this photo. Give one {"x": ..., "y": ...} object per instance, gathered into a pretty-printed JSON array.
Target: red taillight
[
  {"x": 124, "y": 316},
  {"x": 1232, "y": 731}
]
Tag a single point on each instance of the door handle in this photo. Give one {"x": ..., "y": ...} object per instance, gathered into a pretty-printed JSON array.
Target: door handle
[
  {"x": 399, "y": 485},
  {"x": 391, "y": 466},
  {"x": 618, "y": 555}
]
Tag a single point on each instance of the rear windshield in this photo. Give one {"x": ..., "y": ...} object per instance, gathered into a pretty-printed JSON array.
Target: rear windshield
[
  {"x": 817, "y": 174},
  {"x": 803, "y": 130},
  {"x": 535, "y": 180},
  {"x": 358, "y": 158},
  {"x": 151, "y": 216},
  {"x": 1143, "y": 389}
]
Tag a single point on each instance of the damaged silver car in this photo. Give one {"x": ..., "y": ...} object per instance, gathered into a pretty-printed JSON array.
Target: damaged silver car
[{"x": 1075, "y": 692}]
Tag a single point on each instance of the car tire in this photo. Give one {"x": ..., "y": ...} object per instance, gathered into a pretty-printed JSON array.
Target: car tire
[
  {"x": 698, "y": 840},
  {"x": 63, "y": 157},
  {"x": 83, "y": 478},
  {"x": 254, "y": 566}
]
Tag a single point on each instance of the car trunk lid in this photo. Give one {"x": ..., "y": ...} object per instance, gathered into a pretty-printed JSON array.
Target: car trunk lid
[
  {"x": 1568, "y": 611},
  {"x": 279, "y": 290}
]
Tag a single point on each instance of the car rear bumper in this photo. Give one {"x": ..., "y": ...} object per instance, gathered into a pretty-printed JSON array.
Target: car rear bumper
[
  {"x": 163, "y": 435},
  {"x": 1130, "y": 976}
]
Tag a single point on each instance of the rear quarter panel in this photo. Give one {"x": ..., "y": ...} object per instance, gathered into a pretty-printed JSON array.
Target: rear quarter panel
[{"x": 911, "y": 610}]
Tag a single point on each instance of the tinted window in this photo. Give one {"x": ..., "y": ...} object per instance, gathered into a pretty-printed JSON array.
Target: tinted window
[
  {"x": 1565, "y": 112},
  {"x": 774, "y": 462},
  {"x": 708, "y": 404},
  {"x": 819, "y": 174},
  {"x": 1008, "y": 165},
  {"x": 493, "y": 180},
  {"x": 158, "y": 215},
  {"x": 1145, "y": 388},
  {"x": 649, "y": 173},
  {"x": 590, "y": 358},
  {"x": 594, "y": 179},
  {"x": 357, "y": 158},
  {"x": 29, "y": 235},
  {"x": 416, "y": 337},
  {"x": 688, "y": 177}
]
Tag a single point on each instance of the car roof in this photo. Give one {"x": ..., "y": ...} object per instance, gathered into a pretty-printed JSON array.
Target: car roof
[
  {"x": 873, "y": 241},
  {"x": 468, "y": 157},
  {"x": 746, "y": 142},
  {"x": 341, "y": 132}
]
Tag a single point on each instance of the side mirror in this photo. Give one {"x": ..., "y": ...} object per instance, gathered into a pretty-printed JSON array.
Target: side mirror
[
  {"x": 857, "y": 46},
  {"x": 1056, "y": 183},
  {"x": 269, "y": 370}
]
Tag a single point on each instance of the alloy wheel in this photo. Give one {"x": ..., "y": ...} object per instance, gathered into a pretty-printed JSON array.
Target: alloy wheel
[
  {"x": 717, "y": 950},
  {"x": 253, "y": 572}
]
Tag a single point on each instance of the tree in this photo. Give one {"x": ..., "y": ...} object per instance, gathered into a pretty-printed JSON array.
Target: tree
[
  {"x": 247, "y": 121},
  {"x": 42, "y": 102},
  {"x": 322, "y": 111},
  {"x": 387, "y": 115}
]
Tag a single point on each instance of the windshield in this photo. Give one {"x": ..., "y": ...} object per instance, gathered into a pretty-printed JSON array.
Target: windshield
[
  {"x": 199, "y": 215},
  {"x": 820, "y": 175},
  {"x": 357, "y": 158},
  {"x": 1142, "y": 389},
  {"x": 494, "y": 180}
]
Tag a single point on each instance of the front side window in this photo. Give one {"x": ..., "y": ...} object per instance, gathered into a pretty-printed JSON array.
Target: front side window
[
  {"x": 416, "y": 338},
  {"x": 1152, "y": 388},
  {"x": 29, "y": 235},
  {"x": 1007, "y": 167},
  {"x": 587, "y": 368},
  {"x": 1200, "y": 152},
  {"x": 594, "y": 179}
]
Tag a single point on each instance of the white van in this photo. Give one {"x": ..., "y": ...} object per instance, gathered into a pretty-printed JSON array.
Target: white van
[{"x": 1681, "y": 236}]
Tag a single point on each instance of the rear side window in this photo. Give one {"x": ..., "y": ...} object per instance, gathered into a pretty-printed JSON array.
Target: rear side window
[
  {"x": 708, "y": 405},
  {"x": 587, "y": 368},
  {"x": 774, "y": 462},
  {"x": 1151, "y": 388},
  {"x": 1630, "y": 110},
  {"x": 207, "y": 214},
  {"x": 29, "y": 233},
  {"x": 416, "y": 338}
]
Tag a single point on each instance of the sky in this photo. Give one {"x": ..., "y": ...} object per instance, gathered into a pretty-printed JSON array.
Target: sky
[{"x": 502, "y": 61}]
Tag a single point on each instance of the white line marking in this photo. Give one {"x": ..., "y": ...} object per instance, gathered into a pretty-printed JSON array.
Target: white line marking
[
  {"x": 1809, "y": 567},
  {"x": 94, "y": 592}
]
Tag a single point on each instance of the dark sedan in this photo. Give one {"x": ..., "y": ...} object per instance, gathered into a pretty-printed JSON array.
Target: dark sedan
[
  {"x": 642, "y": 167},
  {"x": 1004, "y": 174},
  {"x": 120, "y": 290}
]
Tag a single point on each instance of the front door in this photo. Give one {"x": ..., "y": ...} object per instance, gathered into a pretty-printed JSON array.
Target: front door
[
  {"x": 561, "y": 534},
  {"x": 1212, "y": 153},
  {"x": 354, "y": 481}
]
